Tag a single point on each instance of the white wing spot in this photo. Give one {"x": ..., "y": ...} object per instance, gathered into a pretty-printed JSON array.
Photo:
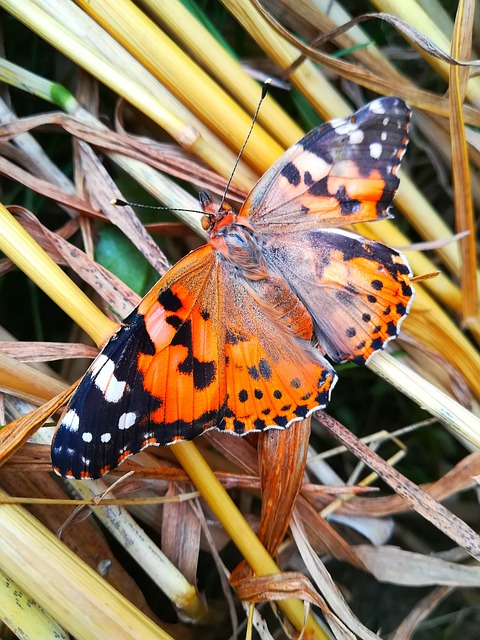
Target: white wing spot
[
  {"x": 102, "y": 372},
  {"x": 377, "y": 107},
  {"x": 385, "y": 121},
  {"x": 356, "y": 137},
  {"x": 383, "y": 136},
  {"x": 105, "y": 437},
  {"x": 375, "y": 150},
  {"x": 87, "y": 436},
  {"x": 71, "y": 420},
  {"x": 127, "y": 420},
  {"x": 347, "y": 127}
]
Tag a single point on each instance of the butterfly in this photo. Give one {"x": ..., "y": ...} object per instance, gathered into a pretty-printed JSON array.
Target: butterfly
[{"x": 235, "y": 336}]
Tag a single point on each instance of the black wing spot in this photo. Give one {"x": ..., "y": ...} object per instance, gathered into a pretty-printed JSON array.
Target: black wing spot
[
  {"x": 371, "y": 299},
  {"x": 291, "y": 173},
  {"x": 377, "y": 285},
  {"x": 173, "y": 321},
  {"x": 401, "y": 309},
  {"x": 295, "y": 383},
  {"x": 277, "y": 394},
  {"x": 377, "y": 344},
  {"x": 243, "y": 395},
  {"x": 253, "y": 373},
  {"x": 265, "y": 369},
  {"x": 170, "y": 301},
  {"x": 351, "y": 332},
  {"x": 391, "y": 329},
  {"x": 258, "y": 393},
  {"x": 366, "y": 317}
]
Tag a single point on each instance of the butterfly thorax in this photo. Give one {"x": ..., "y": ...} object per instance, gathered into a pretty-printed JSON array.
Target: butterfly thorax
[{"x": 234, "y": 239}]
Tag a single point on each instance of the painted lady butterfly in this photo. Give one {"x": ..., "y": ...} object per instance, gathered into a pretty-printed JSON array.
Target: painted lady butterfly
[{"x": 234, "y": 336}]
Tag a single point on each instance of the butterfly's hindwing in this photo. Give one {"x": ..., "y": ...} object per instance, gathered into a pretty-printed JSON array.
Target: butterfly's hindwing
[{"x": 357, "y": 291}]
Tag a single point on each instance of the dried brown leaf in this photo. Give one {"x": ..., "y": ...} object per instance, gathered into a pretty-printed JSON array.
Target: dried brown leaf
[
  {"x": 281, "y": 481},
  {"x": 46, "y": 351},
  {"x": 397, "y": 566},
  {"x": 181, "y": 530}
]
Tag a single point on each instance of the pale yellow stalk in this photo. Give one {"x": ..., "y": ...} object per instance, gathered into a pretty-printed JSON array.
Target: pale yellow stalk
[
  {"x": 463, "y": 423},
  {"x": 223, "y": 66},
  {"x": 23, "y": 616},
  {"x": 179, "y": 73},
  {"x": 56, "y": 578}
]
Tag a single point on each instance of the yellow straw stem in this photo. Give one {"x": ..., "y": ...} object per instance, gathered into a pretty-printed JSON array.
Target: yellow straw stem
[
  {"x": 181, "y": 75},
  {"x": 238, "y": 529},
  {"x": 196, "y": 38},
  {"x": 22, "y": 249},
  {"x": 55, "y": 577}
]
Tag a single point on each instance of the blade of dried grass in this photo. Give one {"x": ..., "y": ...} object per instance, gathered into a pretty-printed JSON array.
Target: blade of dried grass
[
  {"x": 145, "y": 552},
  {"x": 46, "y": 351},
  {"x": 464, "y": 215},
  {"x": 412, "y": 12},
  {"x": 396, "y": 566},
  {"x": 101, "y": 187},
  {"x": 460, "y": 478},
  {"x": 421, "y": 611},
  {"x": 74, "y": 595},
  {"x": 423, "y": 503},
  {"x": 457, "y": 419},
  {"x": 24, "y": 616},
  {"x": 325, "y": 583}
]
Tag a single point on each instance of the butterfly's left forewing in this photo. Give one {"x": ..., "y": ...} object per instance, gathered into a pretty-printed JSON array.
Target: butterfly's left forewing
[{"x": 149, "y": 385}]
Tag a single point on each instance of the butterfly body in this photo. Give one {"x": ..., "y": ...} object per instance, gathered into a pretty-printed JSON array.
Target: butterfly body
[{"x": 234, "y": 336}]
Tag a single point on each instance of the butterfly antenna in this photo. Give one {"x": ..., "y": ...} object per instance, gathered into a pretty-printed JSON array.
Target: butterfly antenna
[
  {"x": 265, "y": 88},
  {"x": 123, "y": 203}
]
